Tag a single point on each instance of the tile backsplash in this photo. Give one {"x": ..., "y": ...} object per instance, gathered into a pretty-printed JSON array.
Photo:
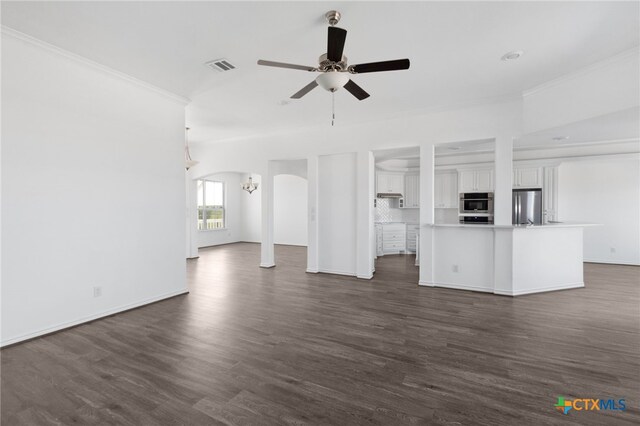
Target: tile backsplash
[{"x": 387, "y": 211}]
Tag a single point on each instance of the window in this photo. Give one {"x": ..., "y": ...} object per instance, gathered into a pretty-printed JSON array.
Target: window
[{"x": 210, "y": 205}]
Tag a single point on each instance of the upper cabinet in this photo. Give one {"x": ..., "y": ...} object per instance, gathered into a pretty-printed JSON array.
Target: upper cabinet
[
  {"x": 446, "y": 190},
  {"x": 411, "y": 191},
  {"x": 390, "y": 183},
  {"x": 527, "y": 177},
  {"x": 480, "y": 180}
]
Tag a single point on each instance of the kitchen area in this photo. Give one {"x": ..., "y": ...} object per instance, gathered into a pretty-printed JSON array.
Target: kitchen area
[
  {"x": 463, "y": 194},
  {"x": 467, "y": 250}
]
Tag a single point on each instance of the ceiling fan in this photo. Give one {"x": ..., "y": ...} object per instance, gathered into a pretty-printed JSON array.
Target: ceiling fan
[{"x": 333, "y": 65}]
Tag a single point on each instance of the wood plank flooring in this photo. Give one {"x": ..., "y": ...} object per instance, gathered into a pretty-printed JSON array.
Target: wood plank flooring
[{"x": 251, "y": 346}]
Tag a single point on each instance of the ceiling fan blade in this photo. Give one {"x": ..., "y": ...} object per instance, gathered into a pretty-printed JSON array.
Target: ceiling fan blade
[
  {"x": 356, "y": 90},
  {"x": 335, "y": 43},
  {"x": 306, "y": 89},
  {"x": 284, "y": 65},
  {"x": 397, "y": 64}
]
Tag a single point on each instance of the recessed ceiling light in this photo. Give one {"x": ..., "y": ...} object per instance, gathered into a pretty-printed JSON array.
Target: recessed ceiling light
[
  {"x": 283, "y": 102},
  {"x": 513, "y": 55},
  {"x": 560, "y": 138}
]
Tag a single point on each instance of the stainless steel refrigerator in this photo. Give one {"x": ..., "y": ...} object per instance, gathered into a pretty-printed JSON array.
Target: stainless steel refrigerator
[{"x": 527, "y": 207}]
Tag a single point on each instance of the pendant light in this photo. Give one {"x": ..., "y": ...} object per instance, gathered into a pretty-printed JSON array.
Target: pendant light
[
  {"x": 250, "y": 186},
  {"x": 188, "y": 162}
]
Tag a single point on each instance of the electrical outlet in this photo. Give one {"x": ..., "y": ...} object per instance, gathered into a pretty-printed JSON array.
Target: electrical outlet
[
  {"x": 454, "y": 268},
  {"x": 613, "y": 249},
  {"x": 97, "y": 291}
]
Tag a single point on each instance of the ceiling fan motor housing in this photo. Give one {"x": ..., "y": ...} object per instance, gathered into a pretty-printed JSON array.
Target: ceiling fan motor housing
[{"x": 325, "y": 64}]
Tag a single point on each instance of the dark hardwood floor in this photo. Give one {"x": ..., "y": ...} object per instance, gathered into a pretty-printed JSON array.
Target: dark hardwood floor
[{"x": 251, "y": 346}]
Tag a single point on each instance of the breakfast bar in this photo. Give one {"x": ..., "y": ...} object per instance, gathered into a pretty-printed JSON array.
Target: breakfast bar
[{"x": 509, "y": 260}]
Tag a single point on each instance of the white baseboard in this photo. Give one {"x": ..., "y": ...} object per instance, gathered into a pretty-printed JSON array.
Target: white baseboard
[
  {"x": 312, "y": 271},
  {"x": 457, "y": 286},
  {"x": 109, "y": 312},
  {"x": 267, "y": 265},
  {"x": 540, "y": 290},
  {"x": 364, "y": 277},
  {"x": 329, "y": 271},
  {"x": 611, "y": 262}
]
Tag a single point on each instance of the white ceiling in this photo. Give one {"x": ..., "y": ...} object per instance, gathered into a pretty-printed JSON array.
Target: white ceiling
[{"x": 454, "y": 47}]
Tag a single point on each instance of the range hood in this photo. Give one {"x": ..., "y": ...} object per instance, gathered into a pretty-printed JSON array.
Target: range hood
[{"x": 388, "y": 195}]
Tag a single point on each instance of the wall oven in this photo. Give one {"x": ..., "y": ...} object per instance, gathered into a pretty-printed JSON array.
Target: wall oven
[
  {"x": 475, "y": 203},
  {"x": 477, "y": 220}
]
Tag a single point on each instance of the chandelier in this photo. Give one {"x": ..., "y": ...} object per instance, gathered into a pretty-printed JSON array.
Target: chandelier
[
  {"x": 188, "y": 162},
  {"x": 249, "y": 186}
]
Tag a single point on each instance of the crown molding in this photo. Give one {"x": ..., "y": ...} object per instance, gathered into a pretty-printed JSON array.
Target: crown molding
[
  {"x": 634, "y": 51},
  {"x": 10, "y": 32},
  {"x": 606, "y": 142}
]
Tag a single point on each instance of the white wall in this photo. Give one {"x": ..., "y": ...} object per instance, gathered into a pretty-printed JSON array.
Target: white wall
[
  {"x": 337, "y": 213},
  {"x": 93, "y": 191},
  {"x": 252, "y": 212},
  {"x": 608, "y": 193},
  {"x": 605, "y": 87},
  {"x": 290, "y": 210}
]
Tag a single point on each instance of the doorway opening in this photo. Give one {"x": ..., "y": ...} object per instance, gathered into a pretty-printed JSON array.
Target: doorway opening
[{"x": 397, "y": 213}]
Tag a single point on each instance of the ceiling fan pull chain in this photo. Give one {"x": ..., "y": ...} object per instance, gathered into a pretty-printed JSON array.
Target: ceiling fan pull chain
[{"x": 333, "y": 107}]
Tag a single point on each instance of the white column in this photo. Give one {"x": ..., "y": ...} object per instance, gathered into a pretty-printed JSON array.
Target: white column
[
  {"x": 268, "y": 259},
  {"x": 503, "y": 180},
  {"x": 191, "y": 220},
  {"x": 503, "y": 237},
  {"x": 312, "y": 223},
  {"x": 427, "y": 174},
  {"x": 364, "y": 215}
]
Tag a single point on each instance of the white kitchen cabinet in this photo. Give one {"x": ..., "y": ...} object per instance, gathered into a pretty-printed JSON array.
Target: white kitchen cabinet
[
  {"x": 379, "y": 249},
  {"x": 390, "y": 183},
  {"x": 394, "y": 238},
  {"x": 527, "y": 177},
  {"x": 446, "y": 190},
  {"x": 411, "y": 191},
  {"x": 475, "y": 180},
  {"x": 412, "y": 237}
]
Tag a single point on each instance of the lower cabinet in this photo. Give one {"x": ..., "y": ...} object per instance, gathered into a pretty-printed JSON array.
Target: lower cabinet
[
  {"x": 412, "y": 237},
  {"x": 394, "y": 238},
  {"x": 379, "y": 249}
]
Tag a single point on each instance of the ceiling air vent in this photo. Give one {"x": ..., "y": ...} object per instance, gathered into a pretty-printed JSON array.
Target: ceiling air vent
[{"x": 220, "y": 65}]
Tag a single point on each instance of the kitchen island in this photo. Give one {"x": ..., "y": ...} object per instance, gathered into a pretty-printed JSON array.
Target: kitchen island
[{"x": 503, "y": 259}]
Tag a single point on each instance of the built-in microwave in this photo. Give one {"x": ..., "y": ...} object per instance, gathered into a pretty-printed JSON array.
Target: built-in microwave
[
  {"x": 477, "y": 220},
  {"x": 476, "y": 202}
]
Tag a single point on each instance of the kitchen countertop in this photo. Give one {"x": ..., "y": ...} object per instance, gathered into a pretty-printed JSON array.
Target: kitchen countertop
[
  {"x": 491, "y": 226},
  {"x": 390, "y": 223}
]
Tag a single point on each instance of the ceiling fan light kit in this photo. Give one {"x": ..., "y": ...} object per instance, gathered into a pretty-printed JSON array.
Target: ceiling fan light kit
[
  {"x": 333, "y": 65},
  {"x": 332, "y": 80}
]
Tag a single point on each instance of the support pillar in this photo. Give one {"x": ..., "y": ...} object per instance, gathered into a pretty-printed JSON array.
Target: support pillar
[
  {"x": 191, "y": 219},
  {"x": 312, "y": 211},
  {"x": 502, "y": 195},
  {"x": 364, "y": 215},
  {"x": 427, "y": 179},
  {"x": 502, "y": 199},
  {"x": 267, "y": 259}
]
